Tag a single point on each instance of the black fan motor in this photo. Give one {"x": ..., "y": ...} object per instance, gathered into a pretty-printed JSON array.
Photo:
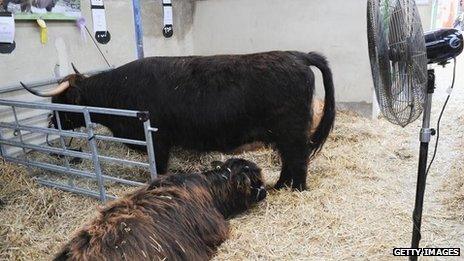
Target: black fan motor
[{"x": 443, "y": 45}]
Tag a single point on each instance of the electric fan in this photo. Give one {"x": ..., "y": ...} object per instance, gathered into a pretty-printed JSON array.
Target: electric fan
[{"x": 399, "y": 53}]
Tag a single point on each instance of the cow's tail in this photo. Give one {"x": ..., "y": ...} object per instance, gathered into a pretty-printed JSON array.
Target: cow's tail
[{"x": 327, "y": 121}]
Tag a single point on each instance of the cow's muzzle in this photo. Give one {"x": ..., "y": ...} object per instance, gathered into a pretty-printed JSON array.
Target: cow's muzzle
[{"x": 260, "y": 192}]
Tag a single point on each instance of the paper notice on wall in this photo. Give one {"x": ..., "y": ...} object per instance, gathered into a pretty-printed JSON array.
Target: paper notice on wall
[
  {"x": 168, "y": 15},
  {"x": 99, "y": 20},
  {"x": 167, "y": 12},
  {"x": 7, "y": 29},
  {"x": 167, "y": 19}
]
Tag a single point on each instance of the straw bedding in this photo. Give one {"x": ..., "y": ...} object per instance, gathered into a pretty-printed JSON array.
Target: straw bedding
[
  {"x": 455, "y": 183},
  {"x": 358, "y": 205}
]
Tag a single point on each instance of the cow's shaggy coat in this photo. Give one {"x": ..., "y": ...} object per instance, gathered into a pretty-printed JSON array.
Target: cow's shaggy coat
[
  {"x": 318, "y": 108},
  {"x": 215, "y": 103},
  {"x": 176, "y": 217}
]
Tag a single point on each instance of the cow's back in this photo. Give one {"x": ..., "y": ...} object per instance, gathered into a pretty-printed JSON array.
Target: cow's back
[{"x": 218, "y": 102}]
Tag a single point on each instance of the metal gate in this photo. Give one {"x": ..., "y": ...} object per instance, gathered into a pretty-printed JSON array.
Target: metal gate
[{"x": 14, "y": 129}]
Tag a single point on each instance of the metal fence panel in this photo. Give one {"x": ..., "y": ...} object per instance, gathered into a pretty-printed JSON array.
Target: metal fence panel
[{"x": 12, "y": 135}]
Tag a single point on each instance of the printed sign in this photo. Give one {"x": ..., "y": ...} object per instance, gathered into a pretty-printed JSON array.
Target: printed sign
[
  {"x": 7, "y": 29},
  {"x": 42, "y": 9}
]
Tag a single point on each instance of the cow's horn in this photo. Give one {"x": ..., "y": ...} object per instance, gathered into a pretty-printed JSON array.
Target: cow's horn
[
  {"x": 59, "y": 89},
  {"x": 74, "y": 68}
]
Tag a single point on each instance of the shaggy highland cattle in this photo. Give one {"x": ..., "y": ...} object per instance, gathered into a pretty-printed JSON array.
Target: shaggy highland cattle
[
  {"x": 176, "y": 217},
  {"x": 212, "y": 103}
]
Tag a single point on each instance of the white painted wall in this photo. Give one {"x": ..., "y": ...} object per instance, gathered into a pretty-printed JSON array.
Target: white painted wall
[{"x": 181, "y": 43}]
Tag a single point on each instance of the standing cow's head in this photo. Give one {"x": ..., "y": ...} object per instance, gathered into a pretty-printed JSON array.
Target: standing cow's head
[{"x": 68, "y": 91}]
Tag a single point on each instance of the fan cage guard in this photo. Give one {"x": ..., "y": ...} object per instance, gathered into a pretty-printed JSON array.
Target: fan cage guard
[{"x": 398, "y": 59}]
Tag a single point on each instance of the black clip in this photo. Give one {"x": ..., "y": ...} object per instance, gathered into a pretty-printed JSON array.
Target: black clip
[
  {"x": 103, "y": 37},
  {"x": 143, "y": 116},
  {"x": 7, "y": 47}
]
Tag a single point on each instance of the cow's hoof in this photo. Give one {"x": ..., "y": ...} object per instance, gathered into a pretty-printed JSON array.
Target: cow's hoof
[
  {"x": 299, "y": 186},
  {"x": 283, "y": 184}
]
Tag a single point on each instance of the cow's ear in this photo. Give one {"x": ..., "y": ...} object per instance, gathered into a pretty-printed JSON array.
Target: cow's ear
[{"x": 217, "y": 164}]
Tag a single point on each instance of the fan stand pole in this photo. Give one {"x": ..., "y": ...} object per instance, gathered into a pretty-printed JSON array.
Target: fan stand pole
[{"x": 425, "y": 135}]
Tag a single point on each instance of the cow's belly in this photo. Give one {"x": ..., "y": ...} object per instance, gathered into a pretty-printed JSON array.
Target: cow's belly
[{"x": 223, "y": 140}]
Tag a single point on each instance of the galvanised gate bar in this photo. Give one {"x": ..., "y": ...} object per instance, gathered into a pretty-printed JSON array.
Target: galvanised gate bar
[{"x": 19, "y": 127}]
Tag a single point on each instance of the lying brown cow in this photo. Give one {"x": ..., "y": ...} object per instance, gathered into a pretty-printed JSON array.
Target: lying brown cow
[
  {"x": 176, "y": 217},
  {"x": 318, "y": 111}
]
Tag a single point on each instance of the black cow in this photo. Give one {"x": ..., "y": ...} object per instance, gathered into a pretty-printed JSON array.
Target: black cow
[{"x": 213, "y": 103}]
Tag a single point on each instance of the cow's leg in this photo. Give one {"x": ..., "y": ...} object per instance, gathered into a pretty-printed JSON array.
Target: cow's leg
[
  {"x": 285, "y": 179},
  {"x": 299, "y": 169},
  {"x": 294, "y": 156},
  {"x": 162, "y": 150}
]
